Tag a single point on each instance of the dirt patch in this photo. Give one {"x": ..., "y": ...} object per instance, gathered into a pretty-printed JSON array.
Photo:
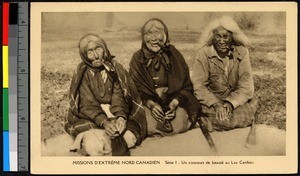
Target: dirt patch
[
  {"x": 228, "y": 143},
  {"x": 55, "y": 89},
  {"x": 272, "y": 93}
]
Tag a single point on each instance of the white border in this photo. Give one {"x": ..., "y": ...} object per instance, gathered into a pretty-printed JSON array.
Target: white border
[{"x": 265, "y": 164}]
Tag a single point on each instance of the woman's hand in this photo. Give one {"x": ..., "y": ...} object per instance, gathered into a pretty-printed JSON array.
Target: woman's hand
[
  {"x": 156, "y": 109},
  {"x": 110, "y": 129},
  {"x": 170, "y": 114},
  {"x": 228, "y": 110},
  {"x": 121, "y": 124},
  {"x": 220, "y": 111}
]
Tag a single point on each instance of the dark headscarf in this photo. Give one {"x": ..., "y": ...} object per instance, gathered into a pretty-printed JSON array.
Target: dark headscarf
[
  {"x": 161, "y": 56},
  {"x": 179, "y": 83}
]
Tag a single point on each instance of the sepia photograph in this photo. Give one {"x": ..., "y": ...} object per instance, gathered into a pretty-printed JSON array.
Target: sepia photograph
[{"x": 131, "y": 88}]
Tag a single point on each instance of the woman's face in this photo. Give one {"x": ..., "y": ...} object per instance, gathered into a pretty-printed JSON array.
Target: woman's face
[
  {"x": 222, "y": 40},
  {"x": 95, "y": 54},
  {"x": 94, "y": 51},
  {"x": 154, "y": 36}
]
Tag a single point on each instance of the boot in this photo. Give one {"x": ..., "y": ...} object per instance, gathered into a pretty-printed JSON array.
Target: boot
[
  {"x": 251, "y": 138},
  {"x": 134, "y": 127},
  {"x": 119, "y": 146}
]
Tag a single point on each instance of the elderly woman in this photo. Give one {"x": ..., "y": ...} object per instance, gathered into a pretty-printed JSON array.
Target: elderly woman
[
  {"x": 101, "y": 89},
  {"x": 222, "y": 76},
  {"x": 163, "y": 81}
]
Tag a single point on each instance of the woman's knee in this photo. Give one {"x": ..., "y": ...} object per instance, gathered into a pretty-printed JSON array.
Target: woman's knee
[{"x": 180, "y": 123}]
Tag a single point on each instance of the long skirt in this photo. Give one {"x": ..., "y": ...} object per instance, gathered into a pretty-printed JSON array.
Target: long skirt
[{"x": 180, "y": 123}]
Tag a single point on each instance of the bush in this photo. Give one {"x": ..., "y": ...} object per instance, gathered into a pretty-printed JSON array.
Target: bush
[{"x": 247, "y": 21}]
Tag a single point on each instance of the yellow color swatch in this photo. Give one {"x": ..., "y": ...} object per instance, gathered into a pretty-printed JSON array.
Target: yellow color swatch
[{"x": 5, "y": 66}]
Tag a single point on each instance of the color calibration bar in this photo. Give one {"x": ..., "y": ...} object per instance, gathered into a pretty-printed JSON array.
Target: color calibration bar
[
  {"x": 10, "y": 81},
  {"x": 5, "y": 67}
]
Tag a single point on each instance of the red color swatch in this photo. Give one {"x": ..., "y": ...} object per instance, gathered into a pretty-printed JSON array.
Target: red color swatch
[{"x": 5, "y": 23}]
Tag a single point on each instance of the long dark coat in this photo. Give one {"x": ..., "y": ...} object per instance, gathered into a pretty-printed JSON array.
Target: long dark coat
[{"x": 179, "y": 83}]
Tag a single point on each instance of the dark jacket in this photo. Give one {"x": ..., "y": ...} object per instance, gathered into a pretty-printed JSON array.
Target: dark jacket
[
  {"x": 94, "y": 92},
  {"x": 88, "y": 92},
  {"x": 78, "y": 122},
  {"x": 179, "y": 83}
]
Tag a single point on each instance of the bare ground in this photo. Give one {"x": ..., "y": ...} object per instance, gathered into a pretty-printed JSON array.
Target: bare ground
[{"x": 228, "y": 143}]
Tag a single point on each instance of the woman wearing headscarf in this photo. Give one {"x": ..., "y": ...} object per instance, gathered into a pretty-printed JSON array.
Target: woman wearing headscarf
[
  {"x": 222, "y": 76},
  {"x": 163, "y": 81},
  {"x": 101, "y": 81}
]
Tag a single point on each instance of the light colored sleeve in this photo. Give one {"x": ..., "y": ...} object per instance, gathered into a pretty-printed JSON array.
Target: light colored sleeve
[
  {"x": 200, "y": 77},
  {"x": 245, "y": 87}
]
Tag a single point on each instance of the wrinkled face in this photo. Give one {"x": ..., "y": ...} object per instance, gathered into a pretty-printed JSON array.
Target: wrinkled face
[
  {"x": 222, "y": 40},
  {"x": 94, "y": 51},
  {"x": 154, "y": 36},
  {"x": 95, "y": 54}
]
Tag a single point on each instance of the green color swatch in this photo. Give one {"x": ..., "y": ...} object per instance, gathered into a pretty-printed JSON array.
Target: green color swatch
[{"x": 5, "y": 110}]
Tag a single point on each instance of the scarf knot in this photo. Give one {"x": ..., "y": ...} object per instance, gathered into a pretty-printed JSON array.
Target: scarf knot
[{"x": 158, "y": 59}]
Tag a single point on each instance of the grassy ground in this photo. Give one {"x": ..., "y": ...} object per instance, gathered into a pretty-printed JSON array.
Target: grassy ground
[{"x": 60, "y": 58}]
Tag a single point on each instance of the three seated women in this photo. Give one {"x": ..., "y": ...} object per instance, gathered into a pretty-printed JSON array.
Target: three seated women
[{"x": 158, "y": 96}]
